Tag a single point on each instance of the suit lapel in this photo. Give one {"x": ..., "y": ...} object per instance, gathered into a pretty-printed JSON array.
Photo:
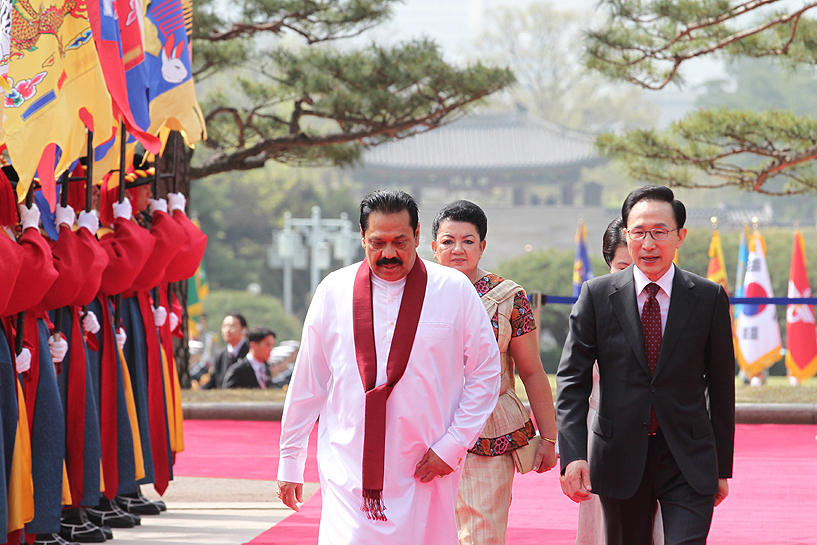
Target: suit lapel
[
  {"x": 681, "y": 305},
  {"x": 625, "y": 307}
]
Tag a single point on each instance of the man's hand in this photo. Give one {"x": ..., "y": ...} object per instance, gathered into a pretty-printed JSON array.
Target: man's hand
[
  {"x": 29, "y": 217},
  {"x": 576, "y": 481},
  {"x": 545, "y": 457},
  {"x": 90, "y": 323},
  {"x": 58, "y": 347},
  {"x": 723, "y": 491},
  {"x": 123, "y": 209},
  {"x": 24, "y": 360},
  {"x": 431, "y": 466},
  {"x": 291, "y": 494}
]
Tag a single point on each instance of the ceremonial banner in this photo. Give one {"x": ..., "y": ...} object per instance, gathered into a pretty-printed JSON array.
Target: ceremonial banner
[
  {"x": 105, "y": 27},
  {"x": 801, "y": 335},
  {"x": 57, "y": 88},
  {"x": 173, "y": 103},
  {"x": 716, "y": 271},
  {"x": 740, "y": 272},
  {"x": 5, "y": 50},
  {"x": 582, "y": 269},
  {"x": 197, "y": 290},
  {"x": 756, "y": 329}
]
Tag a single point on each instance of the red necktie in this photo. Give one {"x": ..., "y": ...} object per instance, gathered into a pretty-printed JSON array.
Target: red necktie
[{"x": 651, "y": 328}]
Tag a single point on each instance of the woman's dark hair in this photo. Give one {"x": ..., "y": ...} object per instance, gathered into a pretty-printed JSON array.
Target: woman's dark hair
[
  {"x": 613, "y": 239},
  {"x": 388, "y": 201},
  {"x": 464, "y": 211},
  {"x": 654, "y": 193}
]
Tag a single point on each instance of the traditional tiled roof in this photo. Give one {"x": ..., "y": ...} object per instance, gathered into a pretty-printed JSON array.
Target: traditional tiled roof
[
  {"x": 485, "y": 142},
  {"x": 729, "y": 216}
]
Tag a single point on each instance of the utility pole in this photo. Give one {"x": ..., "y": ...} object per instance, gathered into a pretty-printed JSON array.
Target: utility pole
[{"x": 326, "y": 238}]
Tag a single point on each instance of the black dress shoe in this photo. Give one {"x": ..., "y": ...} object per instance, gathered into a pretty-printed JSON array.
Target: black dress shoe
[
  {"x": 81, "y": 529},
  {"x": 159, "y": 503},
  {"x": 136, "y": 505},
  {"x": 108, "y": 513},
  {"x": 52, "y": 539},
  {"x": 106, "y": 530}
]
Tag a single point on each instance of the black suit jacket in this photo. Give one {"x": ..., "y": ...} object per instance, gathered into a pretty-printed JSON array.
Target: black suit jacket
[
  {"x": 241, "y": 375},
  {"x": 222, "y": 362},
  {"x": 693, "y": 390}
]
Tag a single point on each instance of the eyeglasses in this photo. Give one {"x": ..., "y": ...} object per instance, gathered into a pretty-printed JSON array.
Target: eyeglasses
[{"x": 659, "y": 233}]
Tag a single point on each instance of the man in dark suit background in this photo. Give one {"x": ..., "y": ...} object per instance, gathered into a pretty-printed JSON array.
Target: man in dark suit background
[
  {"x": 252, "y": 370},
  {"x": 234, "y": 333},
  {"x": 664, "y": 431}
]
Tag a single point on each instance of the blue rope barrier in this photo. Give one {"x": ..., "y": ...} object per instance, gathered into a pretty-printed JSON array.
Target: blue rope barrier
[{"x": 563, "y": 300}]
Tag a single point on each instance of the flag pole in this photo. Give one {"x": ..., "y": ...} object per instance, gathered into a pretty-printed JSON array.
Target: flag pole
[
  {"x": 89, "y": 186},
  {"x": 117, "y": 299},
  {"x": 154, "y": 189},
  {"x": 63, "y": 202},
  {"x": 21, "y": 316}
]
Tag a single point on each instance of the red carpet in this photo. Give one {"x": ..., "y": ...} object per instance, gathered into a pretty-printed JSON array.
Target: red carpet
[{"x": 771, "y": 500}]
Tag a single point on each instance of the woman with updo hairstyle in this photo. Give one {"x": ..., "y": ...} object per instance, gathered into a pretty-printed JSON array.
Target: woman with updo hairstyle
[{"x": 458, "y": 234}]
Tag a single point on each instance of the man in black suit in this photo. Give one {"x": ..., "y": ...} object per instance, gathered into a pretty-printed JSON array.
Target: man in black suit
[
  {"x": 665, "y": 426},
  {"x": 252, "y": 371},
  {"x": 234, "y": 333}
]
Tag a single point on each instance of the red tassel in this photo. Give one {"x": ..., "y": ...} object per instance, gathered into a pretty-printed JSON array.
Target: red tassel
[
  {"x": 107, "y": 197},
  {"x": 76, "y": 190},
  {"x": 8, "y": 202},
  {"x": 373, "y": 505}
]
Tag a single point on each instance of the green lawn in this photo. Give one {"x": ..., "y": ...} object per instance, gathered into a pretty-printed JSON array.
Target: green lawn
[{"x": 776, "y": 390}]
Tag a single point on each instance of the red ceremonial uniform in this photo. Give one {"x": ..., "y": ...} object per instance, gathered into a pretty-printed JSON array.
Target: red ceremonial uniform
[
  {"x": 38, "y": 273},
  {"x": 127, "y": 248},
  {"x": 45, "y": 416},
  {"x": 191, "y": 253},
  {"x": 180, "y": 269},
  {"x": 169, "y": 237},
  {"x": 9, "y": 268},
  {"x": 82, "y": 453}
]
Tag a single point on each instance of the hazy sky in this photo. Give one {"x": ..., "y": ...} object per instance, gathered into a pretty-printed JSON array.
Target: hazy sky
[{"x": 456, "y": 24}]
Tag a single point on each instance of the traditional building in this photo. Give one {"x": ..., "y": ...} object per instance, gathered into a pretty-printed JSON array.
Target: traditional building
[{"x": 524, "y": 172}]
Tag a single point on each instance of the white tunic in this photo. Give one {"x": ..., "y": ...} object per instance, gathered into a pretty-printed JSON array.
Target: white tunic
[{"x": 449, "y": 389}]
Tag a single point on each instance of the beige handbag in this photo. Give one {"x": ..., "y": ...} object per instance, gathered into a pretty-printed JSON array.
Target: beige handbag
[{"x": 523, "y": 456}]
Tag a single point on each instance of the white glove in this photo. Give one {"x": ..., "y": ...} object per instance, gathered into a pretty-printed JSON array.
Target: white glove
[
  {"x": 29, "y": 217},
  {"x": 123, "y": 209},
  {"x": 66, "y": 215},
  {"x": 176, "y": 201},
  {"x": 89, "y": 220},
  {"x": 174, "y": 321},
  {"x": 159, "y": 316},
  {"x": 59, "y": 348},
  {"x": 90, "y": 324},
  {"x": 24, "y": 361},
  {"x": 121, "y": 337},
  {"x": 158, "y": 204}
]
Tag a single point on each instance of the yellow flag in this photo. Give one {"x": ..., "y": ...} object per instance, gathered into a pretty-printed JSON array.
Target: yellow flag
[
  {"x": 57, "y": 85},
  {"x": 716, "y": 271}
]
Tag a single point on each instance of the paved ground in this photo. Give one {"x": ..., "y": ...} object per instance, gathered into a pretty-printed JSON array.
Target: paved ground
[{"x": 246, "y": 509}]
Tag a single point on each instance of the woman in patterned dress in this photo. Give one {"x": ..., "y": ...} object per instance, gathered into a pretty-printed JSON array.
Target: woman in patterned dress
[{"x": 484, "y": 499}]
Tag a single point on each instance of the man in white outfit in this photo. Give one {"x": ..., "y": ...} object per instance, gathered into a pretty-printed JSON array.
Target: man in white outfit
[{"x": 402, "y": 386}]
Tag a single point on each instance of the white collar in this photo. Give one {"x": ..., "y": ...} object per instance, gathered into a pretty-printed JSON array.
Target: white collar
[
  {"x": 254, "y": 362},
  {"x": 235, "y": 348},
  {"x": 665, "y": 282}
]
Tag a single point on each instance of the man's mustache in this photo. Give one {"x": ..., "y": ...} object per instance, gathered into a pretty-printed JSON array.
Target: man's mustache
[{"x": 384, "y": 261}]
